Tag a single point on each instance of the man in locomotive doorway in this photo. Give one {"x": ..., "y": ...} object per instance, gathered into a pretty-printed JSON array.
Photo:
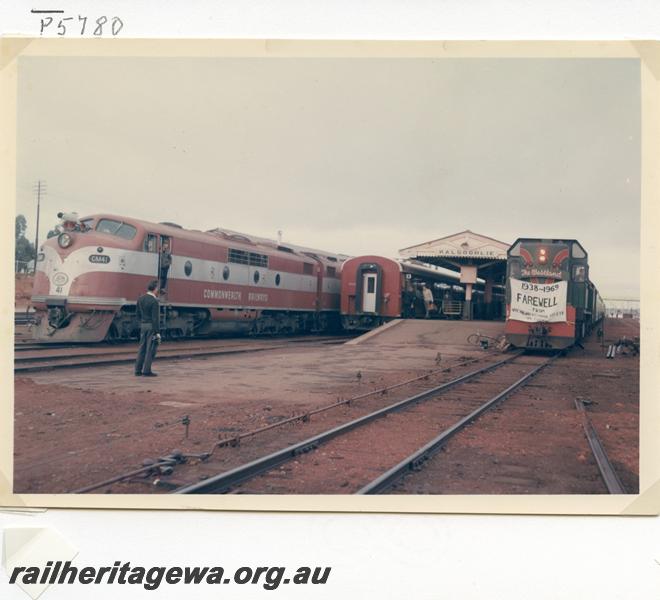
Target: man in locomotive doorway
[
  {"x": 148, "y": 313},
  {"x": 165, "y": 262}
]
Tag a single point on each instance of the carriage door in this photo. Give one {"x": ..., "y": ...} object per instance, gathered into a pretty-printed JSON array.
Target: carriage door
[{"x": 369, "y": 292}]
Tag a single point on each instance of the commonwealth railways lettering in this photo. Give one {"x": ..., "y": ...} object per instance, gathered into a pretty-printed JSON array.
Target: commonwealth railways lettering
[{"x": 221, "y": 295}]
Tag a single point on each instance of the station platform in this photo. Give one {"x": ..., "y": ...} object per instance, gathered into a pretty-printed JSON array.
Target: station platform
[{"x": 428, "y": 333}]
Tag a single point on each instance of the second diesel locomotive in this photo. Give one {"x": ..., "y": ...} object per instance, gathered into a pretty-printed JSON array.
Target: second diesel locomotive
[
  {"x": 551, "y": 303},
  {"x": 89, "y": 277}
]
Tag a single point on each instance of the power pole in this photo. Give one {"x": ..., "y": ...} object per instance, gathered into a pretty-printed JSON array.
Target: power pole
[{"x": 40, "y": 189}]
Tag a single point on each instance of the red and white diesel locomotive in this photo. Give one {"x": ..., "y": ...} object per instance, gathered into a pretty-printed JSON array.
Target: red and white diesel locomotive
[
  {"x": 89, "y": 277},
  {"x": 550, "y": 301}
]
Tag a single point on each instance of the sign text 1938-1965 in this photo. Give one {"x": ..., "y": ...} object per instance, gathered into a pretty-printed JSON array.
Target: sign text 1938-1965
[{"x": 54, "y": 22}]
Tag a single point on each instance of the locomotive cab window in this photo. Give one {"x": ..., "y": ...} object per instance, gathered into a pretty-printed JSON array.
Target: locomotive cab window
[
  {"x": 87, "y": 224},
  {"x": 112, "y": 227},
  {"x": 577, "y": 252}
]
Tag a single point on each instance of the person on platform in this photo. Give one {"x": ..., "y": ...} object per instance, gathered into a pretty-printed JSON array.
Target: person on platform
[
  {"x": 428, "y": 300},
  {"x": 165, "y": 262},
  {"x": 148, "y": 313}
]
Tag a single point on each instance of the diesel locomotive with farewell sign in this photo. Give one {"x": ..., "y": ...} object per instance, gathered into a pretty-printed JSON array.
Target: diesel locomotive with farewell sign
[{"x": 551, "y": 303}]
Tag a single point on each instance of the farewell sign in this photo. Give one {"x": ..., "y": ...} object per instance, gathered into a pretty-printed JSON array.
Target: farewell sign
[{"x": 534, "y": 302}]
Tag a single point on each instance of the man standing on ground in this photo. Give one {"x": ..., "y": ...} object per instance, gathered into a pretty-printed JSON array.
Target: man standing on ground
[{"x": 148, "y": 313}]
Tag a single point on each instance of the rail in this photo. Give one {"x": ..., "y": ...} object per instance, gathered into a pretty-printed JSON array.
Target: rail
[
  {"x": 413, "y": 462},
  {"x": 224, "y": 481},
  {"x": 607, "y": 472}
]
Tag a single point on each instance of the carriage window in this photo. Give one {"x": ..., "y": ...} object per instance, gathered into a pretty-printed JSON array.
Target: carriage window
[{"x": 371, "y": 285}]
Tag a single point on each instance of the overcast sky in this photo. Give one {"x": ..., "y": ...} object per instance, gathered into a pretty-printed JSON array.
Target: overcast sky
[{"x": 350, "y": 155}]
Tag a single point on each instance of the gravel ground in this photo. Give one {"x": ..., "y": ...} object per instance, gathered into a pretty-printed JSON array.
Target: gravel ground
[{"x": 79, "y": 426}]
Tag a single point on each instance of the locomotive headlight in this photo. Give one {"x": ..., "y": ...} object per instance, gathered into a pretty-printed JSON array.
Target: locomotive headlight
[
  {"x": 542, "y": 256},
  {"x": 64, "y": 240}
]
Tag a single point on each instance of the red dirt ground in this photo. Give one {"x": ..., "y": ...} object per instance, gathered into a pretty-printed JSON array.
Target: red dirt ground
[{"x": 80, "y": 426}]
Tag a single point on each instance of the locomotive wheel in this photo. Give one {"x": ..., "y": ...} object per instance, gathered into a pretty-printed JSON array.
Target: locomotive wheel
[
  {"x": 174, "y": 334},
  {"x": 113, "y": 335}
]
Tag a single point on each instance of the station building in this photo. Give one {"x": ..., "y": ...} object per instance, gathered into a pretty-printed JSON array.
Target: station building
[{"x": 480, "y": 261}]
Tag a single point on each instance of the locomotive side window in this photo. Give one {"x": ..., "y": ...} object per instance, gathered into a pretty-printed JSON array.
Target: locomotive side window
[
  {"x": 225, "y": 273},
  {"x": 253, "y": 259},
  {"x": 238, "y": 256},
  {"x": 258, "y": 260},
  {"x": 331, "y": 272},
  {"x": 308, "y": 268},
  {"x": 187, "y": 268},
  {"x": 579, "y": 272}
]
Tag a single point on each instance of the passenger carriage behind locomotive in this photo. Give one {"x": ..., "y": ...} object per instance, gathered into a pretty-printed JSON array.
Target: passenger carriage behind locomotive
[
  {"x": 376, "y": 289},
  {"x": 88, "y": 280},
  {"x": 550, "y": 301}
]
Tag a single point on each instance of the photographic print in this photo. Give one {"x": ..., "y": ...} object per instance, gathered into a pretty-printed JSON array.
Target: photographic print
[{"x": 335, "y": 270}]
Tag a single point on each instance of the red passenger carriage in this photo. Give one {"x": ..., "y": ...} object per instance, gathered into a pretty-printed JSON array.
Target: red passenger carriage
[{"x": 375, "y": 289}]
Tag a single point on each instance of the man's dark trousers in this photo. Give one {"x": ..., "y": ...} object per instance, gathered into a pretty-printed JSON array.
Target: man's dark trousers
[{"x": 147, "y": 351}]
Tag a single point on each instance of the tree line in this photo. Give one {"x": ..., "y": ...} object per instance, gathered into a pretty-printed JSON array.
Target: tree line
[{"x": 24, "y": 250}]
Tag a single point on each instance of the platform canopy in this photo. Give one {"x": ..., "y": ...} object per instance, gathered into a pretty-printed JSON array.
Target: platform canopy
[
  {"x": 460, "y": 250},
  {"x": 478, "y": 259}
]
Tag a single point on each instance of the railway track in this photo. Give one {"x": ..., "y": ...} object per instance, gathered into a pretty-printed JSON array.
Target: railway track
[
  {"x": 418, "y": 425},
  {"x": 607, "y": 471},
  {"x": 23, "y": 318},
  {"x": 30, "y": 360}
]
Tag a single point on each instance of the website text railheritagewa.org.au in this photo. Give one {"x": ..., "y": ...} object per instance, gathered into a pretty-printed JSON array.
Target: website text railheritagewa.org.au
[{"x": 270, "y": 578}]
